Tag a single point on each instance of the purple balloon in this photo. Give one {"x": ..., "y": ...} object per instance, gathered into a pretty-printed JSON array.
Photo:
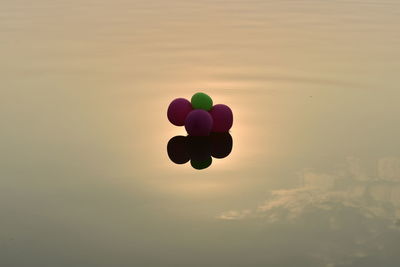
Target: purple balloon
[
  {"x": 198, "y": 123},
  {"x": 222, "y": 117},
  {"x": 178, "y": 111}
]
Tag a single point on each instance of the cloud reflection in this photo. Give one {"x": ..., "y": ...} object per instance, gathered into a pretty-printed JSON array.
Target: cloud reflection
[
  {"x": 199, "y": 150},
  {"x": 356, "y": 212},
  {"x": 374, "y": 195}
]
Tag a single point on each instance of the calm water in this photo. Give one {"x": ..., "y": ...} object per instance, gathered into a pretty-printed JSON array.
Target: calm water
[{"x": 314, "y": 175}]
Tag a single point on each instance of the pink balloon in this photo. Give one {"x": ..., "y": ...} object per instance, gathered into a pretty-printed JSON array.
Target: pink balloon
[
  {"x": 198, "y": 123},
  {"x": 222, "y": 117},
  {"x": 178, "y": 111}
]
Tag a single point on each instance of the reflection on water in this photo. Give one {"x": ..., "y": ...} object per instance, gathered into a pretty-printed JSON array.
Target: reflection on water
[
  {"x": 85, "y": 178},
  {"x": 199, "y": 149},
  {"x": 353, "y": 212}
]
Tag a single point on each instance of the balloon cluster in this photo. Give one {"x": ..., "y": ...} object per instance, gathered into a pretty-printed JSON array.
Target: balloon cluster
[
  {"x": 199, "y": 116},
  {"x": 199, "y": 149}
]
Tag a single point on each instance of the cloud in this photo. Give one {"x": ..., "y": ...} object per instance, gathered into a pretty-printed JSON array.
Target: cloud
[
  {"x": 233, "y": 215},
  {"x": 353, "y": 207},
  {"x": 372, "y": 196}
]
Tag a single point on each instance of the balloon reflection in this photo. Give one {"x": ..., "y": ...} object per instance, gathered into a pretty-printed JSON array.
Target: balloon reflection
[{"x": 199, "y": 150}]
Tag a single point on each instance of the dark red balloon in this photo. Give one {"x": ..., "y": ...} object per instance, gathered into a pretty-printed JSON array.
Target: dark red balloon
[
  {"x": 199, "y": 147},
  {"x": 178, "y": 111},
  {"x": 222, "y": 117},
  {"x": 198, "y": 123},
  {"x": 177, "y": 150},
  {"x": 221, "y": 144}
]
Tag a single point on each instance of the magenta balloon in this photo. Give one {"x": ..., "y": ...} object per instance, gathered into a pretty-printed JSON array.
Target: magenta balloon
[
  {"x": 222, "y": 117},
  {"x": 178, "y": 111},
  {"x": 198, "y": 123}
]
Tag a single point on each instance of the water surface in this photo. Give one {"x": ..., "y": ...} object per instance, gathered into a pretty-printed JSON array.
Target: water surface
[{"x": 314, "y": 175}]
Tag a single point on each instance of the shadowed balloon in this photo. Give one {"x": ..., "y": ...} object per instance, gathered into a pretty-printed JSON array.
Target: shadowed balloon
[
  {"x": 177, "y": 150},
  {"x": 199, "y": 149},
  {"x": 221, "y": 145}
]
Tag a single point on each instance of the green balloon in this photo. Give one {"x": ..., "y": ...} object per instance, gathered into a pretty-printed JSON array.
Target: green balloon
[
  {"x": 200, "y": 165},
  {"x": 201, "y": 101}
]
